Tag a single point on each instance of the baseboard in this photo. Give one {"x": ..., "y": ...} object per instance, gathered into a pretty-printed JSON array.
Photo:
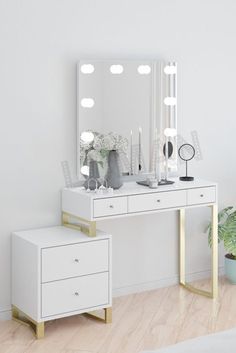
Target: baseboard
[
  {"x": 165, "y": 282},
  {"x": 5, "y": 314}
]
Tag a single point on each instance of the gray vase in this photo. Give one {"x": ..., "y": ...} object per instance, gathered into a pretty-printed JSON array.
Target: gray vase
[
  {"x": 93, "y": 176},
  {"x": 114, "y": 177}
]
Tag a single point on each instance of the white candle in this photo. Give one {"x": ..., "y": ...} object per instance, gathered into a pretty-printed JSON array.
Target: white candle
[
  {"x": 140, "y": 150},
  {"x": 131, "y": 152},
  {"x": 158, "y": 160},
  {"x": 156, "y": 155}
]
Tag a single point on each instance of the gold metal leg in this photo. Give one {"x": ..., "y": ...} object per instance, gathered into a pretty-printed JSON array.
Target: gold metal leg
[
  {"x": 182, "y": 246},
  {"x": 40, "y": 330},
  {"x": 214, "y": 251},
  {"x": 38, "y": 327},
  {"x": 85, "y": 226},
  {"x": 107, "y": 315},
  {"x": 214, "y": 280},
  {"x": 15, "y": 313}
]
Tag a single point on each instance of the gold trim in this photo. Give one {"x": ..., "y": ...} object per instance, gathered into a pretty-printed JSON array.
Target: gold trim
[
  {"x": 85, "y": 226},
  {"x": 214, "y": 276},
  {"x": 214, "y": 251},
  {"x": 182, "y": 245},
  {"x": 196, "y": 290},
  {"x": 107, "y": 315},
  {"x": 22, "y": 318}
]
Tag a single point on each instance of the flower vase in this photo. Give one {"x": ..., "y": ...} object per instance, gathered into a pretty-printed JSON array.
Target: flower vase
[
  {"x": 92, "y": 180},
  {"x": 114, "y": 177}
]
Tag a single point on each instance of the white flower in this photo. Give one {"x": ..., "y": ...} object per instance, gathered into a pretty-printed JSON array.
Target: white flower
[
  {"x": 97, "y": 143},
  {"x": 95, "y": 155},
  {"x": 108, "y": 143},
  {"x": 105, "y": 142}
]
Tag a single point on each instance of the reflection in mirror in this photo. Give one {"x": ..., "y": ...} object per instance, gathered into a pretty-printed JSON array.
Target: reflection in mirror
[{"x": 126, "y": 106}]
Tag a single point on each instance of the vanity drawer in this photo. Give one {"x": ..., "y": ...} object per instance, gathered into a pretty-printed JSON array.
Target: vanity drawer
[
  {"x": 155, "y": 201},
  {"x": 109, "y": 206},
  {"x": 201, "y": 195},
  {"x": 74, "y": 260},
  {"x": 75, "y": 294}
]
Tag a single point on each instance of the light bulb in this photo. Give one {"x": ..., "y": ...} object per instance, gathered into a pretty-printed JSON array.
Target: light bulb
[
  {"x": 87, "y": 69},
  {"x": 168, "y": 132},
  {"x": 85, "y": 170},
  {"x": 144, "y": 69},
  {"x": 170, "y": 69},
  {"x": 87, "y": 102},
  {"x": 170, "y": 101},
  {"x": 87, "y": 136},
  {"x": 116, "y": 69}
]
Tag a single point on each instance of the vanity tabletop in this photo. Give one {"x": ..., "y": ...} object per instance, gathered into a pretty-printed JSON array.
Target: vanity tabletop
[{"x": 132, "y": 188}]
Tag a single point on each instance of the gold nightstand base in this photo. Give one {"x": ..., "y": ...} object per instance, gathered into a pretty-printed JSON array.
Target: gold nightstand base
[
  {"x": 214, "y": 274},
  {"x": 37, "y": 327},
  {"x": 107, "y": 315}
]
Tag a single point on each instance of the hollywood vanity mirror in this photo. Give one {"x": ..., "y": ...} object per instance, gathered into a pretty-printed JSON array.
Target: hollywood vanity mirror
[{"x": 132, "y": 102}]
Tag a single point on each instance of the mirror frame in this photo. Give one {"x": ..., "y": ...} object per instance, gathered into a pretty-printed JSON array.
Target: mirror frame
[{"x": 167, "y": 86}]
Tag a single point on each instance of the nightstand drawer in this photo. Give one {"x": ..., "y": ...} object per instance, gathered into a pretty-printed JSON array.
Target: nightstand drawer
[
  {"x": 201, "y": 195},
  {"x": 75, "y": 294},
  {"x": 109, "y": 206},
  {"x": 155, "y": 201},
  {"x": 75, "y": 260}
]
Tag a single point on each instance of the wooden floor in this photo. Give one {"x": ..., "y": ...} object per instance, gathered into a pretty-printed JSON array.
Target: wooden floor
[{"x": 143, "y": 321}]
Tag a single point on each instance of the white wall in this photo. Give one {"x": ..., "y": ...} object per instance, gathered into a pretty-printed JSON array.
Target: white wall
[{"x": 40, "y": 43}]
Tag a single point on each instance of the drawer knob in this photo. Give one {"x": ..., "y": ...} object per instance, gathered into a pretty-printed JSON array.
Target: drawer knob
[
  {"x": 77, "y": 294},
  {"x": 158, "y": 200},
  {"x": 201, "y": 195},
  {"x": 76, "y": 260},
  {"x": 111, "y": 206}
]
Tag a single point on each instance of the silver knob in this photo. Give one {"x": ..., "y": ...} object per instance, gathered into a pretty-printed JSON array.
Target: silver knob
[
  {"x": 201, "y": 195},
  {"x": 77, "y": 293},
  {"x": 111, "y": 206},
  {"x": 158, "y": 200},
  {"x": 77, "y": 260}
]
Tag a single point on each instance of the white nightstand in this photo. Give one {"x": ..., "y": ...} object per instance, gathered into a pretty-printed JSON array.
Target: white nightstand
[{"x": 58, "y": 272}]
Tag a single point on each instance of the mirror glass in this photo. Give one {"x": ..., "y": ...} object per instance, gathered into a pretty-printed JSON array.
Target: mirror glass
[{"x": 128, "y": 104}]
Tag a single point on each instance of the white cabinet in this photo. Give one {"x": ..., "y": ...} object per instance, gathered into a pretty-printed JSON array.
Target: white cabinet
[{"x": 59, "y": 272}]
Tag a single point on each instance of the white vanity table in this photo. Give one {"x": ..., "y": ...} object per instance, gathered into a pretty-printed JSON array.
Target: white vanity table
[
  {"x": 58, "y": 272},
  {"x": 135, "y": 200}
]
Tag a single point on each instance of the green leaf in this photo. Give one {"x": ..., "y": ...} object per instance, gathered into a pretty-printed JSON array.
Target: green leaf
[{"x": 226, "y": 229}]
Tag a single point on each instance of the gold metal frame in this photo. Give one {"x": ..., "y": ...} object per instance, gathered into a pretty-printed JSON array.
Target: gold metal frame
[
  {"x": 107, "y": 315},
  {"x": 85, "y": 226},
  {"x": 19, "y": 316},
  {"x": 214, "y": 277},
  {"x": 88, "y": 228}
]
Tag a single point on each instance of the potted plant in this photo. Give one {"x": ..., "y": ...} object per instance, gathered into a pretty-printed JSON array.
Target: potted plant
[{"x": 227, "y": 234}]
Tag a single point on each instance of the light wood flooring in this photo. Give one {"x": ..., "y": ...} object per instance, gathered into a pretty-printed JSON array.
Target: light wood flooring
[{"x": 143, "y": 321}]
